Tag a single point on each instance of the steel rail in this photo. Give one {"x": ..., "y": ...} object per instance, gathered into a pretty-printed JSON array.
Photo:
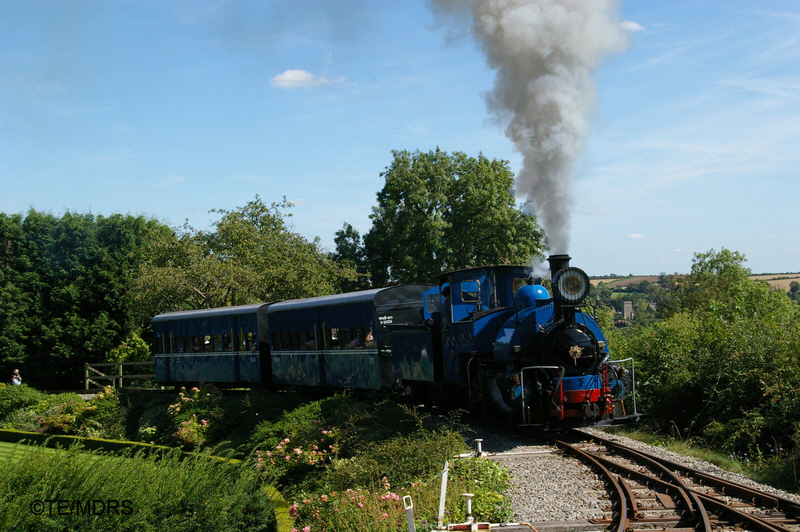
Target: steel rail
[
  {"x": 725, "y": 486},
  {"x": 665, "y": 466},
  {"x": 685, "y": 495},
  {"x": 623, "y": 524},
  {"x": 740, "y": 516},
  {"x": 700, "y": 513}
]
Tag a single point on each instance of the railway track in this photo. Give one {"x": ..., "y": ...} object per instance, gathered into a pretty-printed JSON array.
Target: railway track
[
  {"x": 647, "y": 492},
  {"x": 585, "y": 481}
]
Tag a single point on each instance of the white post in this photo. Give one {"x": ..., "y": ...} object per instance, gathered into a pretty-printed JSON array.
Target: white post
[
  {"x": 442, "y": 497},
  {"x": 409, "y": 506}
]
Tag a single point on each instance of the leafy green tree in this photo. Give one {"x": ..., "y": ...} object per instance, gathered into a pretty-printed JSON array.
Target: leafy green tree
[
  {"x": 350, "y": 250},
  {"x": 249, "y": 256},
  {"x": 15, "y": 300},
  {"x": 724, "y": 363},
  {"x": 64, "y": 291},
  {"x": 794, "y": 291},
  {"x": 439, "y": 212}
]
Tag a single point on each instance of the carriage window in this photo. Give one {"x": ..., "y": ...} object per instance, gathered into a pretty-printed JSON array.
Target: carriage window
[
  {"x": 361, "y": 337},
  {"x": 357, "y": 338},
  {"x": 332, "y": 336},
  {"x": 276, "y": 341},
  {"x": 294, "y": 340},
  {"x": 470, "y": 291},
  {"x": 197, "y": 344},
  {"x": 178, "y": 344},
  {"x": 251, "y": 342},
  {"x": 344, "y": 338},
  {"x": 310, "y": 341},
  {"x": 216, "y": 343}
]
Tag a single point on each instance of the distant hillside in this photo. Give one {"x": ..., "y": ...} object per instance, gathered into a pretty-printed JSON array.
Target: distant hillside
[{"x": 777, "y": 280}]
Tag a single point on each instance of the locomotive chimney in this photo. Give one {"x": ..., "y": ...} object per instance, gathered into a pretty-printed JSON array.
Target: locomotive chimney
[{"x": 557, "y": 263}]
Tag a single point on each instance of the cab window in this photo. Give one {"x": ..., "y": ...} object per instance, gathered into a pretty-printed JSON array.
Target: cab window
[{"x": 470, "y": 291}]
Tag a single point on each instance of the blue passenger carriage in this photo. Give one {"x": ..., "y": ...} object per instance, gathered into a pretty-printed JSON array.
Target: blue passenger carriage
[
  {"x": 364, "y": 340},
  {"x": 219, "y": 345}
]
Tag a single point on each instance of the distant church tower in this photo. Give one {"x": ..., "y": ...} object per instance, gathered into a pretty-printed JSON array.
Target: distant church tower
[{"x": 627, "y": 311}]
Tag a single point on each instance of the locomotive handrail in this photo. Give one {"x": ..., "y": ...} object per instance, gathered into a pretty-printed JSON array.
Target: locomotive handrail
[
  {"x": 522, "y": 382},
  {"x": 633, "y": 379}
]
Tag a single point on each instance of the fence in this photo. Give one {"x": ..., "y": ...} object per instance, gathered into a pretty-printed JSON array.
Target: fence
[{"x": 117, "y": 374}]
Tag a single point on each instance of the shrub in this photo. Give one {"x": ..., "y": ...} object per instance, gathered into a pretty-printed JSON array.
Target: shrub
[
  {"x": 382, "y": 508},
  {"x": 103, "y": 416},
  {"x": 193, "y": 413},
  {"x": 403, "y": 459},
  {"x": 22, "y": 419},
  {"x": 153, "y": 423},
  {"x": 15, "y": 397}
]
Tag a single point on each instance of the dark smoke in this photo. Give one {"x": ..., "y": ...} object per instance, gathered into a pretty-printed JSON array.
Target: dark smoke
[{"x": 543, "y": 52}]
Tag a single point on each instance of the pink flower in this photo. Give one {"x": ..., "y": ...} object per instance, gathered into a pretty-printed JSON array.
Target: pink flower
[
  {"x": 306, "y": 529},
  {"x": 293, "y": 510}
]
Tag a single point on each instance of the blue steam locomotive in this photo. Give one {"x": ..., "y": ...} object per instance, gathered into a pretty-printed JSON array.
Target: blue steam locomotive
[{"x": 489, "y": 338}]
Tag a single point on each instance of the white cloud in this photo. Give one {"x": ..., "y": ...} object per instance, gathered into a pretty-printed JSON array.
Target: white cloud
[
  {"x": 290, "y": 79},
  {"x": 629, "y": 25},
  {"x": 637, "y": 236}
]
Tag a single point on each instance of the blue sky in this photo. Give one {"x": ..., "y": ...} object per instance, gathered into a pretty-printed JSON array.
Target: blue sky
[{"x": 171, "y": 109}]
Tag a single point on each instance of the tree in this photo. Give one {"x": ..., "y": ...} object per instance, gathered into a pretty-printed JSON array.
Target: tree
[
  {"x": 64, "y": 291},
  {"x": 724, "y": 363},
  {"x": 350, "y": 251},
  {"x": 249, "y": 256},
  {"x": 439, "y": 212},
  {"x": 794, "y": 291}
]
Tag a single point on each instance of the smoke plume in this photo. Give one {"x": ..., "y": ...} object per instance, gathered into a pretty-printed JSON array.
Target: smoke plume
[{"x": 543, "y": 52}]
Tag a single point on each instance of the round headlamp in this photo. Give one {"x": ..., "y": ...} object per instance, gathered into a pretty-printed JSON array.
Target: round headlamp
[{"x": 571, "y": 285}]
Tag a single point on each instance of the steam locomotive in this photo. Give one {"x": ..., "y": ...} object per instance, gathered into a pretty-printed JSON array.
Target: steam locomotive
[{"x": 488, "y": 338}]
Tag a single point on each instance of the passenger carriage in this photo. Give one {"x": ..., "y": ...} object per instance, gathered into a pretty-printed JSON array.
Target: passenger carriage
[{"x": 219, "y": 345}]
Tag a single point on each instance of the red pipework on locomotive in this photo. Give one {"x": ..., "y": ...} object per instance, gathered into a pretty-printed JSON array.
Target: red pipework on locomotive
[
  {"x": 607, "y": 402},
  {"x": 569, "y": 404}
]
